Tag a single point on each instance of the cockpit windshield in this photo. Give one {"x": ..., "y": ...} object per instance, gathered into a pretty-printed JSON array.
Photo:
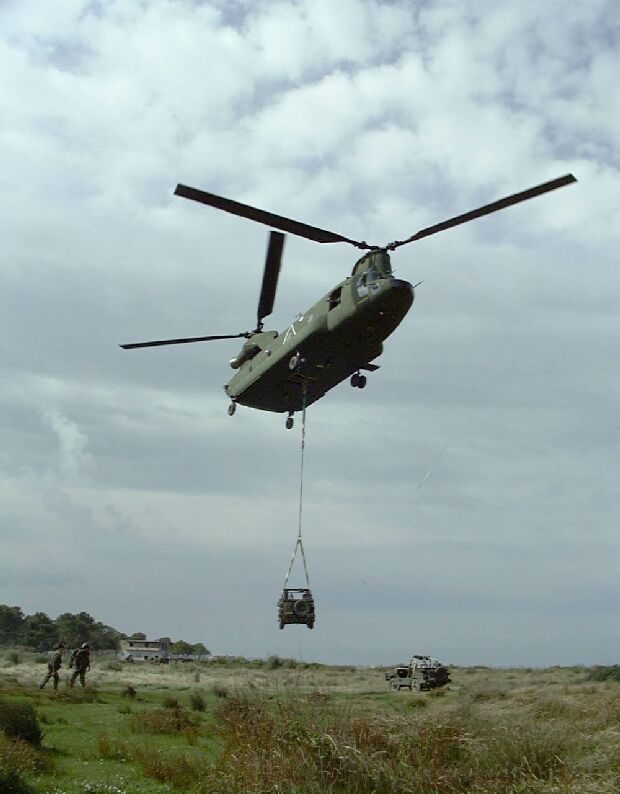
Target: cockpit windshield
[{"x": 376, "y": 264}]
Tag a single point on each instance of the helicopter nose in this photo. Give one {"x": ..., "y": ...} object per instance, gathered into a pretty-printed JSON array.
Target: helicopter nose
[
  {"x": 401, "y": 284},
  {"x": 402, "y": 291}
]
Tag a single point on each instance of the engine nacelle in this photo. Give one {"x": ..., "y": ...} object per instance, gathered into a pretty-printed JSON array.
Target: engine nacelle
[{"x": 252, "y": 347}]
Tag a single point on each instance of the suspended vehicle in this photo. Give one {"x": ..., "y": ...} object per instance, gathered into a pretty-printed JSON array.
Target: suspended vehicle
[
  {"x": 338, "y": 337},
  {"x": 296, "y": 606}
]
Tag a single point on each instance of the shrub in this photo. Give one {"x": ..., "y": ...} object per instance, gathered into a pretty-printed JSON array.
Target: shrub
[
  {"x": 219, "y": 690},
  {"x": 113, "y": 749},
  {"x": 18, "y": 759},
  {"x": 11, "y": 782},
  {"x": 164, "y": 721},
  {"x": 171, "y": 703},
  {"x": 175, "y": 769},
  {"x": 13, "y": 657},
  {"x": 273, "y": 662},
  {"x": 128, "y": 692},
  {"x": 601, "y": 673},
  {"x": 197, "y": 702},
  {"x": 19, "y": 721}
]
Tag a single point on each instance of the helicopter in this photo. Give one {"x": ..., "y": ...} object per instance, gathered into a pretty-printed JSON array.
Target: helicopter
[{"x": 340, "y": 335}]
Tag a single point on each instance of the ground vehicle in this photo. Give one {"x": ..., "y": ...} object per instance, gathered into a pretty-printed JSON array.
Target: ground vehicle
[
  {"x": 421, "y": 673},
  {"x": 296, "y": 605}
]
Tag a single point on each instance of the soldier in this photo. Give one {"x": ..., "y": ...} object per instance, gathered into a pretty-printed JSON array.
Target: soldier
[
  {"x": 80, "y": 659},
  {"x": 54, "y": 663}
]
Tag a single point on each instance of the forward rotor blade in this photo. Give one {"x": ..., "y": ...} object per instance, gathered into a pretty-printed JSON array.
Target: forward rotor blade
[
  {"x": 161, "y": 342},
  {"x": 487, "y": 209},
  {"x": 268, "y": 218},
  {"x": 273, "y": 262}
]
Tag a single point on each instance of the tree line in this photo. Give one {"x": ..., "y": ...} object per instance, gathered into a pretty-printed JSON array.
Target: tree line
[{"x": 40, "y": 632}]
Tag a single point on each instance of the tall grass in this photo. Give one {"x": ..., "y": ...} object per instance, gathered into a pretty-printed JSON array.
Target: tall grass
[{"x": 300, "y": 746}]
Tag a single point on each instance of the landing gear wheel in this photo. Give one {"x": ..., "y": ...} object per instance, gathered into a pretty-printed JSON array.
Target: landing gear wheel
[
  {"x": 232, "y": 408},
  {"x": 281, "y": 624},
  {"x": 311, "y": 624},
  {"x": 289, "y": 422},
  {"x": 355, "y": 379},
  {"x": 294, "y": 362},
  {"x": 361, "y": 381}
]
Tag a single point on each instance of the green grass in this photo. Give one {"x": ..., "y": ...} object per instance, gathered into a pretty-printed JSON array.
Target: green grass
[{"x": 314, "y": 730}]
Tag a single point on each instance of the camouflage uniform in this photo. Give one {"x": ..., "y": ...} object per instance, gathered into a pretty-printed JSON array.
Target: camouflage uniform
[
  {"x": 80, "y": 659},
  {"x": 54, "y": 663}
]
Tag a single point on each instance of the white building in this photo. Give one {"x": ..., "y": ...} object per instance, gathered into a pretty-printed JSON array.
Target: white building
[{"x": 132, "y": 650}]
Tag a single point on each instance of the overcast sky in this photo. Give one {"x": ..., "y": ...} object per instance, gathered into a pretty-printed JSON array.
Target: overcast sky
[{"x": 125, "y": 488}]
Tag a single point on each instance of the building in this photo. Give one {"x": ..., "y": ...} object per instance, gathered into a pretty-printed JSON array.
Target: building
[{"x": 133, "y": 650}]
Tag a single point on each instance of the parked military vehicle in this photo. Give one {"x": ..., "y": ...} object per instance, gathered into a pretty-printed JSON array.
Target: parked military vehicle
[
  {"x": 422, "y": 673},
  {"x": 296, "y": 605}
]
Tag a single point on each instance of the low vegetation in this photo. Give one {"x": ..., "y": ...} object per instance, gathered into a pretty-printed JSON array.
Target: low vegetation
[{"x": 308, "y": 730}]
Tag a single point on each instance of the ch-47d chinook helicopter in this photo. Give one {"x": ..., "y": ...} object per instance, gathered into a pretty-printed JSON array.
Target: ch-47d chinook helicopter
[{"x": 337, "y": 337}]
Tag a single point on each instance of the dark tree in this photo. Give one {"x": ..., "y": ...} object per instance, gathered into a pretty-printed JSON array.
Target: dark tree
[
  {"x": 40, "y": 632},
  {"x": 75, "y": 629},
  {"x": 11, "y": 625}
]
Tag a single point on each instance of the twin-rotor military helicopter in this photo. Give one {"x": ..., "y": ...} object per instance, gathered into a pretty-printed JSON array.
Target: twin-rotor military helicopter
[{"x": 342, "y": 333}]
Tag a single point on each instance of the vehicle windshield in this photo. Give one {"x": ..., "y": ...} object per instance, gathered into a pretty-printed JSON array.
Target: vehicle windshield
[{"x": 376, "y": 263}]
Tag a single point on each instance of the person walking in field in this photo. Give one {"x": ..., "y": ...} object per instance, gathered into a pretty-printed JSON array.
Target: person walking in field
[
  {"x": 54, "y": 663},
  {"x": 80, "y": 660}
]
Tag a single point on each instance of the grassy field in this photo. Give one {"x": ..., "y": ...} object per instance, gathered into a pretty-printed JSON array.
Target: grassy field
[{"x": 271, "y": 727}]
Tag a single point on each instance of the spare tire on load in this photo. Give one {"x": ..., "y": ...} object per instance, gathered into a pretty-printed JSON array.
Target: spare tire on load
[{"x": 300, "y": 608}]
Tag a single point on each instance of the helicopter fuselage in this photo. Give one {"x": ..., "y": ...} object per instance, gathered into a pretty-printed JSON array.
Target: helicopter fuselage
[{"x": 336, "y": 337}]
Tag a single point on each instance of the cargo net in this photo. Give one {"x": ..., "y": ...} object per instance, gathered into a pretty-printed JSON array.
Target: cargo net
[{"x": 296, "y": 604}]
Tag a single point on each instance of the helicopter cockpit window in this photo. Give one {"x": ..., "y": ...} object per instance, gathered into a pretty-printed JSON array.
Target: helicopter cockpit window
[{"x": 334, "y": 298}]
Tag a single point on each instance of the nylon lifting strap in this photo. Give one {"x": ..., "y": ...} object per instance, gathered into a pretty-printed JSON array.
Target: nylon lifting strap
[{"x": 299, "y": 543}]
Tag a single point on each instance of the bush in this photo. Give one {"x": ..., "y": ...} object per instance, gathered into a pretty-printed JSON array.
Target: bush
[
  {"x": 11, "y": 782},
  {"x": 273, "y": 662},
  {"x": 19, "y": 721},
  {"x": 128, "y": 692},
  {"x": 13, "y": 657},
  {"x": 197, "y": 702},
  {"x": 164, "y": 721},
  {"x": 171, "y": 703},
  {"x": 219, "y": 690},
  {"x": 177, "y": 769},
  {"x": 601, "y": 673},
  {"x": 17, "y": 759}
]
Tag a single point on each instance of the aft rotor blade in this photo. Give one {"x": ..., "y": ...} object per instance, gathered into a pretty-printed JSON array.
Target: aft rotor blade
[
  {"x": 268, "y": 218},
  {"x": 273, "y": 262},
  {"x": 487, "y": 209},
  {"x": 161, "y": 342}
]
